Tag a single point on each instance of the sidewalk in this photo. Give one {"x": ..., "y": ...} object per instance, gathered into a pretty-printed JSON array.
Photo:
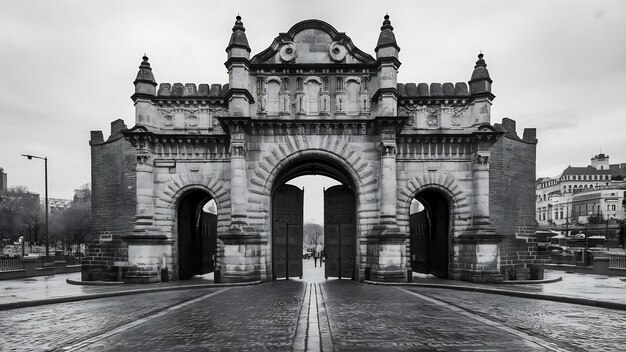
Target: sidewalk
[
  {"x": 40, "y": 290},
  {"x": 54, "y": 289}
]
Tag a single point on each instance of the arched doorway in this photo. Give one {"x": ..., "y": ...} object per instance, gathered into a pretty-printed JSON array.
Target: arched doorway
[
  {"x": 338, "y": 241},
  {"x": 430, "y": 228},
  {"x": 197, "y": 234}
]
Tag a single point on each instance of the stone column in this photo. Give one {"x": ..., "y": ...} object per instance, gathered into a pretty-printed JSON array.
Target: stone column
[
  {"x": 240, "y": 258},
  {"x": 238, "y": 179},
  {"x": 146, "y": 249},
  {"x": 145, "y": 191},
  {"x": 480, "y": 188},
  {"x": 388, "y": 180},
  {"x": 385, "y": 245},
  {"x": 478, "y": 247}
]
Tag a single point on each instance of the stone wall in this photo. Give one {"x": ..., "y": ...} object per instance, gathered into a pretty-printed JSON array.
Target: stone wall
[
  {"x": 113, "y": 204},
  {"x": 512, "y": 201}
]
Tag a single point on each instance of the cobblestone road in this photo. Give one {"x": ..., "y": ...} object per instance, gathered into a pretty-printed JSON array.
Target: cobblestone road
[
  {"x": 573, "y": 327},
  {"x": 335, "y": 315},
  {"x": 48, "y": 327},
  {"x": 360, "y": 322}
]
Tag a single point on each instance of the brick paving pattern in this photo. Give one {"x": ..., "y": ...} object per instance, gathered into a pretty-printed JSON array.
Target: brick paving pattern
[
  {"x": 46, "y": 328},
  {"x": 573, "y": 327},
  {"x": 382, "y": 318},
  {"x": 252, "y": 318},
  {"x": 332, "y": 315}
]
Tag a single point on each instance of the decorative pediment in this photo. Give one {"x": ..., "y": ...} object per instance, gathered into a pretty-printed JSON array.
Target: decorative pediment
[{"x": 312, "y": 42}]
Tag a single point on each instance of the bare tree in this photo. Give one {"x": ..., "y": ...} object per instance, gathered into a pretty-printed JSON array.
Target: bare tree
[
  {"x": 76, "y": 219},
  {"x": 20, "y": 212},
  {"x": 313, "y": 234}
]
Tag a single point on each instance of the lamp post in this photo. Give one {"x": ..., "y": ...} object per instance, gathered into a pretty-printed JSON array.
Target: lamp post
[{"x": 45, "y": 159}]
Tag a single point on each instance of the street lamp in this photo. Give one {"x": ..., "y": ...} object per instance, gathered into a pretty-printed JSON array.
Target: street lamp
[{"x": 45, "y": 159}]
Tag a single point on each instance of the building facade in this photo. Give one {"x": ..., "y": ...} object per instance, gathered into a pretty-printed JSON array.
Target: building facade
[
  {"x": 3, "y": 180},
  {"x": 311, "y": 103},
  {"x": 582, "y": 195}
]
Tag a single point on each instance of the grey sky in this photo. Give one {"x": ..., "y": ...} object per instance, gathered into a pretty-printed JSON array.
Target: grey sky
[{"x": 66, "y": 67}]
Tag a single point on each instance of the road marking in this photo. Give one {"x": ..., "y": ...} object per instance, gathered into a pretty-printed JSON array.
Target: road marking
[
  {"x": 94, "y": 339},
  {"x": 324, "y": 324},
  {"x": 300, "y": 340},
  {"x": 497, "y": 325},
  {"x": 312, "y": 332}
]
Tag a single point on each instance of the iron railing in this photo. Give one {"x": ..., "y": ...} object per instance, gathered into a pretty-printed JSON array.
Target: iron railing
[
  {"x": 15, "y": 263},
  {"x": 617, "y": 260}
]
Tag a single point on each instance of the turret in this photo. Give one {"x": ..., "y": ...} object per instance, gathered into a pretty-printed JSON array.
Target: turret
[
  {"x": 238, "y": 65},
  {"x": 480, "y": 90},
  {"x": 145, "y": 91},
  {"x": 480, "y": 83},
  {"x": 238, "y": 45},
  {"x": 386, "y": 45},
  {"x": 387, "y": 72}
]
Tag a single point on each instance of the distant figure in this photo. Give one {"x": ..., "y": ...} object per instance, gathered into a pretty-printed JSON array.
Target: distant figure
[
  {"x": 622, "y": 238},
  {"x": 316, "y": 255}
]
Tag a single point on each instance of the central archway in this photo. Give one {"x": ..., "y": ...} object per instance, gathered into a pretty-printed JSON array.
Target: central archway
[{"x": 340, "y": 228}]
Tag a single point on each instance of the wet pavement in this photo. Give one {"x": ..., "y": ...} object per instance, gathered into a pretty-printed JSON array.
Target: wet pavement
[
  {"x": 312, "y": 314},
  {"x": 574, "y": 285}
]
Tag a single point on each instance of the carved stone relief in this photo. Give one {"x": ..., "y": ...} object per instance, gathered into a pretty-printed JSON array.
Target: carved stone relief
[
  {"x": 288, "y": 52},
  {"x": 337, "y": 51},
  {"x": 191, "y": 121}
]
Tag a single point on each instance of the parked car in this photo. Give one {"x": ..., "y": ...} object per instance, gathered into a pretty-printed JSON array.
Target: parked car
[{"x": 306, "y": 254}]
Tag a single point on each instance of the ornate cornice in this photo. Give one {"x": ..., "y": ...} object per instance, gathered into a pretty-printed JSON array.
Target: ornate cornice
[
  {"x": 352, "y": 126},
  {"x": 336, "y": 36}
]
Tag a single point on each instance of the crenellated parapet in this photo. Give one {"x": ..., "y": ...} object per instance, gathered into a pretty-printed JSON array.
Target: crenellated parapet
[{"x": 448, "y": 106}]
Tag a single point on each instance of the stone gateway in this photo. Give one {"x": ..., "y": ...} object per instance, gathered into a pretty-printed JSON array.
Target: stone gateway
[{"x": 428, "y": 184}]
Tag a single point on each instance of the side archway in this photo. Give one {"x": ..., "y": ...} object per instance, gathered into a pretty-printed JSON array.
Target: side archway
[{"x": 433, "y": 210}]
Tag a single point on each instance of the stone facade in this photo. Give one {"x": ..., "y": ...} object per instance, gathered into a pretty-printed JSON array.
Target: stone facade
[{"x": 311, "y": 103}]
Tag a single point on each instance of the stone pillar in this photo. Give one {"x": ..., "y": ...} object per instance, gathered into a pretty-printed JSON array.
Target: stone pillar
[
  {"x": 480, "y": 189},
  {"x": 146, "y": 249},
  {"x": 242, "y": 245},
  {"x": 238, "y": 178},
  {"x": 388, "y": 178},
  {"x": 145, "y": 192},
  {"x": 385, "y": 245},
  {"x": 478, "y": 246}
]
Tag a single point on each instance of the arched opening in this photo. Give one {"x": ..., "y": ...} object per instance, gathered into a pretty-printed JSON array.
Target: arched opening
[
  {"x": 197, "y": 234},
  {"x": 331, "y": 214},
  {"x": 430, "y": 228}
]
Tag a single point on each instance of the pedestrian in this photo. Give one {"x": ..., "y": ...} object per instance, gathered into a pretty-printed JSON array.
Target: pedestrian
[{"x": 315, "y": 256}]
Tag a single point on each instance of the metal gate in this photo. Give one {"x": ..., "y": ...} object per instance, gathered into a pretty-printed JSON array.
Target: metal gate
[
  {"x": 429, "y": 235},
  {"x": 420, "y": 232},
  {"x": 288, "y": 214},
  {"x": 339, "y": 232},
  {"x": 197, "y": 237},
  {"x": 208, "y": 224}
]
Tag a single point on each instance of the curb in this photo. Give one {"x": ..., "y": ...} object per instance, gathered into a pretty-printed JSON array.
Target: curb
[
  {"x": 545, "y": 297},
  {"x": 93, "y": 283},
  {"x": 526, "y": 282},
  {"x": 85, "y": 297}
]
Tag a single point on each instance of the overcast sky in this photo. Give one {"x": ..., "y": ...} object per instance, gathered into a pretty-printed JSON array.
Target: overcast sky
[{"x": 67, "y": 67}]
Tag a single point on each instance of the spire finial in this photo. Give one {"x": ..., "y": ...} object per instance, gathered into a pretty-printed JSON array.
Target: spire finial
[
  {"x": 238, "y": 24},
  {"x": 386, "y": 23},
  {"x": 480, "y": 62}
]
